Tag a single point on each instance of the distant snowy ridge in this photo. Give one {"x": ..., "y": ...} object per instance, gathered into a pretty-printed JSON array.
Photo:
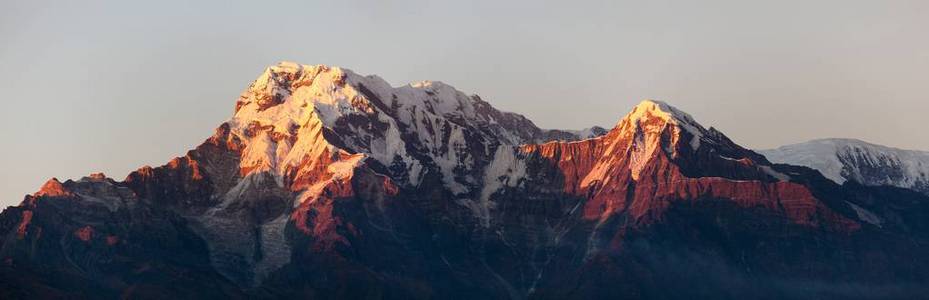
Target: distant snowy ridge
[
  {"x": 589, "y": 133},
  {"x": 842, "y": 160}
]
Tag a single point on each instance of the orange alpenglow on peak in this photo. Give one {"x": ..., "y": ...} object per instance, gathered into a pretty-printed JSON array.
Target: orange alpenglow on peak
[
  {"x": 651, "y": 117},
  {"x": 648, "y": 109},
  {"x": 52, "y": 188}
]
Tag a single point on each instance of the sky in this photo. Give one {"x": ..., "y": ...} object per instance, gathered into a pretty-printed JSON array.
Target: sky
[{"x": 92, "y": 86}]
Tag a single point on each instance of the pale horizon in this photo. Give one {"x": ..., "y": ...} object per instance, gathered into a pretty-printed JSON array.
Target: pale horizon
[{"x": 111, "y": 87}]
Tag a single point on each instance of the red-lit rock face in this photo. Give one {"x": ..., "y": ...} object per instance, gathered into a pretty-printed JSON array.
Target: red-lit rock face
[
  {"x": 632, "y": 169},
  {"x": 52, "y": 188},
  {"x": 345, "y": 179},
  {"x": 23, "y": 226}
]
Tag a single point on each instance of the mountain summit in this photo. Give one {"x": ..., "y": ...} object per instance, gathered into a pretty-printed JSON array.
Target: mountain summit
[{"x": 329, "y": 184}]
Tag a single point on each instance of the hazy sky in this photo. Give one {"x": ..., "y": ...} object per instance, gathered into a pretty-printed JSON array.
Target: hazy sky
[{"x": 89, "y": 86}]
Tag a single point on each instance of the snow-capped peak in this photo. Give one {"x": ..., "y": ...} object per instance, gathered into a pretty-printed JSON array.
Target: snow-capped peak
[
  {"x": 652, "y": 116},
  {"x": 657, "y": 109},
  {"x": 649, "y": 107},
  {"x": 293, "y": 112}
]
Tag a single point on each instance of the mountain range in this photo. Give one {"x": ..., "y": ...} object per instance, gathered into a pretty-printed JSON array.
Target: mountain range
[{"x": 329, "y": 184}]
